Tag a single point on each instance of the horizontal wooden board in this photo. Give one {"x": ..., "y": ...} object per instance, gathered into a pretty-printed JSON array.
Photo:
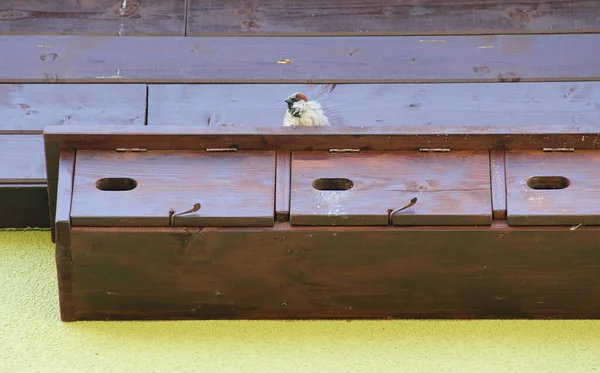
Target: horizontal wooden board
[
  {"x": 97, "y": 17},
  {"x": 451, "y": 188},
  {"x": 301, "y": 60},
  {"x": 24, "y": 206},
  {"x": 31, "y": 107},
  {"x": 576, "y": 202},
  {"x": 548, "y": 105},
  {"x": 233, "y": 189},
  {"x": 390, "y": 17},
  {"x": 325, "y": 272},
  {"x": 22, "y": 159}
]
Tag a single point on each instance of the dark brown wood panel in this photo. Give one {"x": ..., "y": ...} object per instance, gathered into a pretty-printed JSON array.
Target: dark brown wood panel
[
  {"x": 551, "y": 105},
  {"x": 361, "y": 189},
  {"x": 498, "y": 179},
  {"x": 64, "y": 268},
  {"x": 282, "y": 186},
  {"x": 390, "y": 17},
  {"x": 97, "y": 17},
  {"x": 553, "y": 188},
  {"x": 24, "y": 206},
  {"x": 139, "y": 189},
  {"x": 320, "y": 272},
  {"x": 30, "y": 107},
  {"x": 22, "y": 159},
  {"x": 377, "y": 59}
]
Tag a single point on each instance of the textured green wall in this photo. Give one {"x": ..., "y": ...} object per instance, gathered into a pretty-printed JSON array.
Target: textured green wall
[{"x": 32, "y": 339}]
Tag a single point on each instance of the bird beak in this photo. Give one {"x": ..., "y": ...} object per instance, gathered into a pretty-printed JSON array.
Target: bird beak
[{"x": 288, "y": 100}]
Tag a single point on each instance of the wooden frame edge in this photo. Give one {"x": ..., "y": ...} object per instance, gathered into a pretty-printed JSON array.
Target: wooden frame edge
[{"x": 63, "y": 234}]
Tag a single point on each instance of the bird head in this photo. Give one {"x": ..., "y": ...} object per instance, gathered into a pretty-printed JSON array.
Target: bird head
[{"x": 293, "y": 99}]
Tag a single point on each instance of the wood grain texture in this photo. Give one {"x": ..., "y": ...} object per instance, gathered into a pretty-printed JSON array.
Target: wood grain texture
[
  {"x": 282, "y": 186},
  {"x": 498, "y": 180},
  {"x": 93, "y": 17},
  {"x": 579, "y": 203},
  {"x": 62, "y": 225},
  {"x": 299, "y": 139},
  {"x": 452, "y": 188},
  {"x": 24, "y": 206},
  {"x": 342, "y": 273},
  {"x": 30, "y": 107},
  {"x": 389, "y": 17},
  {"x": 329, "y": 60},
  {"x": 549, "y": 105},
  {"x": 22, "y": 159},
  {"x": 234, "y": 189}
]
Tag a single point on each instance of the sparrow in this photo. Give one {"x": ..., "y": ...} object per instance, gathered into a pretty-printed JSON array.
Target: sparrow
[{"x": 302, "y": 112}]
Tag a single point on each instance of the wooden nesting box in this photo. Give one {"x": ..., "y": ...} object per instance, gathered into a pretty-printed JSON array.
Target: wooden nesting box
[{"x": 276, "y": 223}]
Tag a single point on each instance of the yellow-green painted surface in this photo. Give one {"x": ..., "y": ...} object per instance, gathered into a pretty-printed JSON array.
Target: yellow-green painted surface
[{"x": 32, "y": 338}]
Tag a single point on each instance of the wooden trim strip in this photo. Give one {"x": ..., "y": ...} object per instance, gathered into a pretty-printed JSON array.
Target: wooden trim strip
[
  {"x": 63, "y": 234},
  {"x": 498, "y": 179},
  {"x": 283, "y": 186}
]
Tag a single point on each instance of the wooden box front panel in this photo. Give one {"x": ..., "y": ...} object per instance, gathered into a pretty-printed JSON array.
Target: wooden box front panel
[
  {"x": 139, "y": 189},
  {"x": 553, "y": 188},
  {"x": 356, "y": 272},
  {"x": 360, "y": 189}
]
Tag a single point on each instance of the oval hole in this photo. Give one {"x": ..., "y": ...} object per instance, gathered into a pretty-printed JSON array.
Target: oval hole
[
  {"x": 548, "y": 182},
  {"x": 332, "y": 184},
  {"x": 116, "y": 184}
]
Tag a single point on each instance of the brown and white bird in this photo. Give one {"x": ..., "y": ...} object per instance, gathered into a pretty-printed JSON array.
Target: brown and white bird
[{"x": 302, "y": 112}]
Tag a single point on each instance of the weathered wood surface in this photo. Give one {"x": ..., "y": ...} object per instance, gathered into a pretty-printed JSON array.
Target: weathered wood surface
[
  {"x": 571, "y": 201},
  {"x": 481, "y": 58},
  {"x": 451, "y": 188},
  {"x": 283, "y": 186},
  {"x": 234, "y": 189},
  {"x": 22, "y": 159},
  {"x": 30, "y": 107},
  {"x": 62, "y": 225},
  {"x": 549, "y": 105},
  {"x": 24, "y": 206},
  {"x": 93, "y": 17},
  {"x": 324, "y": 272},
  {"x": 389, "y": 17},
  {"x": 498, "y": 182}
]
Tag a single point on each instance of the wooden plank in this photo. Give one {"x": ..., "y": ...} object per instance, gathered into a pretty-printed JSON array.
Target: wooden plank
[
  {"x": 22, "y": 159},
  {"x": 361, "y": 189},
  {"x": 30, "y": 107},
  {"x": 24, "y": 206},
  {"x": 93, "y": 17},
  {"x": 62, "y": 224},
  {"x": 282, "y": 186},
  {"x": 300, "y": 60},
  {"x": 324, "y": 272},
  {"x": 553, "y": 188},
  {"x": 549, "y": 105},
  {"x": 498, "y": 180},
  {"x": 139, "y": 189},
  {"x": 388, "y": 17}
]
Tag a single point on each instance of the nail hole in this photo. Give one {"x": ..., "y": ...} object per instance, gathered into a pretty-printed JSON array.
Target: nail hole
[
  {"x": 332, "y": 184},
  {"x": 116, "y": 184},
  {"x": 548, "y": 182}
]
